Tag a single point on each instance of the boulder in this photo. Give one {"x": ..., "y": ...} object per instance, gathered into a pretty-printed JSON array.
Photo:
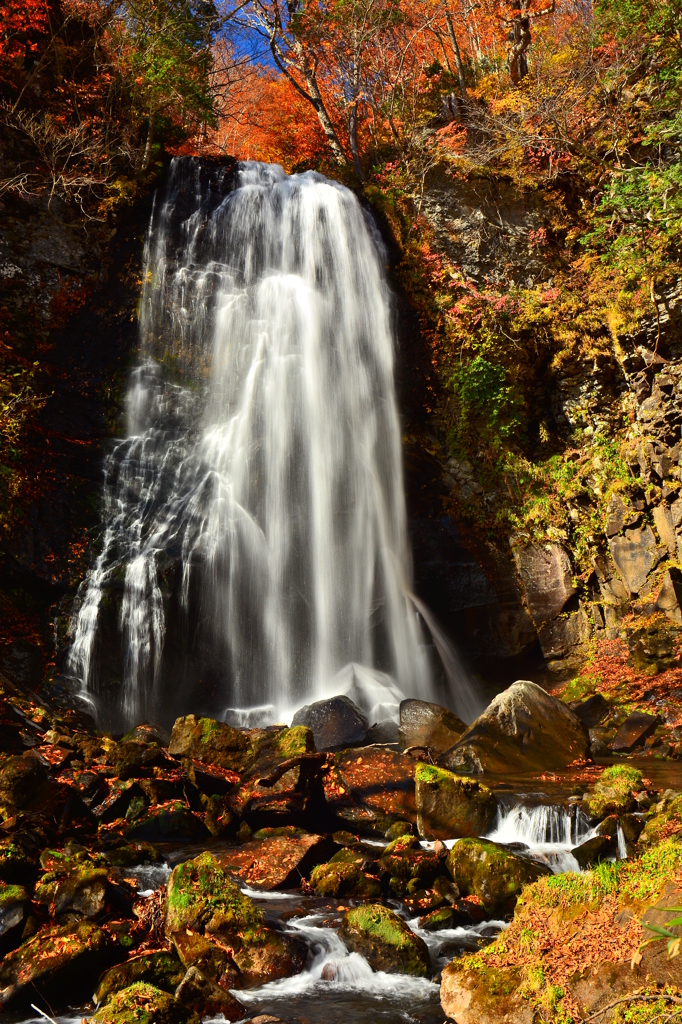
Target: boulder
[
  {"x": 142, "y": 1003},
  {"x": 613, "y": 792},
  {"x": 407, "y": 869},
  {"x": 204, "y": 997},
  {"x": 204, "y": 739},
  {"x": 147, "y": 733},
  {"x": 491, "y": 872},
  {"x": 200, "y": 951},
  {"x": 25, "y": 784},
  {"x": 484, "y": 997},
  {"x": 172, "y": 821},
  {"x": 547, "y": 579},
  {"x": 335, "y": 723},
  {"x": 386, "y": 731},
  {"x": 437, "y": 920},
  {"x": 200, "y": 897},
  {"x": 57, "y": 964},
  {"x": 341, "y": 878},
  {"x": 73, "y": 887},
  {"x": 385, "y": 941},
  {"x": 163, "y": 970},
  {"x": 277, "y": 862},
  {"x": 633, "y": 732},
  {"x": 428, "y": 726},
  {"x": 619, "y": 515},
  {"x": 367, "y": 789},
  {"x": 595, "y": 849},
  {"x": 524, "y": 729},
  {"x": 591, "y": 711},
  {"x": 450, "y": 806},
  {"x": 15, "y": 907},
  {"x": 117, "y": 800},
  {"x": 635, "y": 555},
  {"x": 670, "y": 595}
]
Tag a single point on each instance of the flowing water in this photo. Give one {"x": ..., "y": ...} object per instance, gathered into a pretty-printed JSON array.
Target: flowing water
[{"x": 255, "y": 551}]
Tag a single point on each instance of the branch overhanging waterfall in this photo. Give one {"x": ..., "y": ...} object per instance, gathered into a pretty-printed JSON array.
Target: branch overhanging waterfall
[{"x": 255, "y": 550}]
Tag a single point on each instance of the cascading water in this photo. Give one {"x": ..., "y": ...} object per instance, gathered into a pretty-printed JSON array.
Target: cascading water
[{"x": 255, "y": 541}]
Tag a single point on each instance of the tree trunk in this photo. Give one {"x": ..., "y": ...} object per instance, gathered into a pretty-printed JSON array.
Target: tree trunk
[
  {"x": 148, "y": 145},
  {"x": 314, "y": 97},
  {"x": 353, "y": 113},
  {"x": 457, "y": 55}
]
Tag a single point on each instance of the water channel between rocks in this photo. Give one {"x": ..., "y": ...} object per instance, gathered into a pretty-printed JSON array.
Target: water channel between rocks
[{"x": 337, "y": 987}]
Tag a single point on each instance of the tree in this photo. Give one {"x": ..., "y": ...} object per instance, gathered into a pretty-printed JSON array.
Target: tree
[{"x": 520, "y": 36}]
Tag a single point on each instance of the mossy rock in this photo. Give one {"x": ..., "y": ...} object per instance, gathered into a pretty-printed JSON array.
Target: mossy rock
[
  {"x": 14, "y": 910},
  {"x": 402, "y": 844},
  {"x": 18, "y": 866},
  {"x": 450, "y": 806},
  {"x": 294, "y": 741},
  {"x": 491, "y": 872},
  {"x": 201, "y": 896},
  {"x": 292, "y": 831},
  {"x": 444, "y": 917},
  {"x": 664, "y": 823},
  {"x": 75, "y": 887},
  {"x": 197, "y": 950},
  {"x": 167, "y": 822},
  {"x": 409, "y": 864},
  {"x": 385, "y": 941},
  {"x": 201, "y": 994},
  {"x": 163, "y": 970},
  {"x": 344, "y": 879},
  {"x": 60, "y": 963},
  {"x": 142, "y": 1003},
  {"x": 398, "y": 829},
  {"x": 25, "y": 784},
  {"x": 613, "y": 792},
  {"x": 212, "y": 742}
]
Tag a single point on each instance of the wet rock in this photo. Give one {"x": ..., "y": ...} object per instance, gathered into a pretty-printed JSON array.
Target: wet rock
[
  {"x": 670, "y": 595},
  {"x": 635, "y": 555},
  {"x": 664, "y": 822},
  {"x": 523, "y": 729},
  {"x": 633, "y": 732},
  {"x": 631, "y": 826},
  {"x": 591, "y": 711},
  {"x": 344, "y": 879},
  {"x": 450, "y": 806},
  {"x": 197, "y": 950},
  {"x": 609, "y": 826},
  {"x": 200, "y": 897},
  {"x": 613, "y": 792},
  {"x": 444, "y": 917},
  {"x": 428, "y": 726},
  {"x": 384, "y": 732},
  {"x": 385, "y": 941},
  {"x": 336, "y": 723},
  {"x": 366, "y": 789},
  {"x": 408, "y": 869},
  {"x": 491, "y": 872},
  {"x": 594, "y": 850},
  {"x": 277, "y": 862},
  {"x": 15, "y": 908},
  {"x": 142, "y": 1003},
  {"x": 204, "y": 739},
  {"x": 547, "y": 578},
  {"x": 25, "y": 784},
  {"x": 209, "y": 779},
  {"x": 473, "y": 997},
  {"x": 90, "y": 786},
  {"x": 162, "y": 970},
  {"x": 147, "y": 733},
  {"x": 57, "y": 964},
  {"x": 168, "y": 822},
  {"x": 204, "y": 997},
  {"x": 118, "y": 798},
  {"x": 398, "y": 829},
  {"x": 73, "y": 887}
]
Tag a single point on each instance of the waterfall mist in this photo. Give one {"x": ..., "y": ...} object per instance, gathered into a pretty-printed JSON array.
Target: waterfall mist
[{"x": 254, "y": 551}]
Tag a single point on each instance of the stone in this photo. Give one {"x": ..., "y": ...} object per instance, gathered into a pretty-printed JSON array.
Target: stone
[
  {"x": 665, "y": 823},
  {"x": 172, "y": 821},
  {"x": 142, "y": 1003},
  {"x": 25, "y": 784},
  {"x": 476, "y": 997},
  {"x": 547, "y": 578},
  {"x": 366, "y": 789},
  {"x": 201, "y": 897},
  {"x": 676, "y": 512},
  {"x": 633, "y": 732},
  {"x": 523, "y": 729},
  {"x": 613, "y": 592},
  {"x": 15, "y": 907},
  {"x": 344, "y": 879},
  {"x": 635, "y": 555},
  {"x": 491, "y": 872},
  {"x": 204, "y": 997},
  {"x": 428, "y": 726},
  {"x": 594, "y": 850},
  {"x": 115, "y": 804},
  {"x": 663, "y": 521},
  {"x": 613, "y": 792},
  {"x": 57, "y": 963},
  {"x": 619, "y": 515},
  {"x": 404, "y": 867},
  {"x": 214, "y": 962},
  {"x": 560, "y": 635},
  {"x": 437, "y": 920},
  {"x": 385, "y": 941},
  {"x": 631, "y": 826},
  {"x": 277, "y": 862},
  {"x": 591, "y": 711},
  {"x": 336, "y": 723},
  {"x": 163, "y": 970},
  {"x": 384, "y": 732},
  {"x": 204, "y": 739},
  {"x": 450, "y": 806},
  {"x": 74, "y": 887},
  {"x": 670, "y": 596},
  {"x": 145, "y": 732}
]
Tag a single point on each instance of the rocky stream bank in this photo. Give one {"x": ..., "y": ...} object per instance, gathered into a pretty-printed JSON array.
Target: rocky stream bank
[{"x": 260, "y": 873}]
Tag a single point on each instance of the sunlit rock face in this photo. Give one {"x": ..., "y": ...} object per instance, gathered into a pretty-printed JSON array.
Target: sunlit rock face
[{"x": 255, "y": 550}]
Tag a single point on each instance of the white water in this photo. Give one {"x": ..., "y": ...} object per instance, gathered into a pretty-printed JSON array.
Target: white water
[
  {"x": 255, "y": 548},
  {"x": 547, "y": 831}
]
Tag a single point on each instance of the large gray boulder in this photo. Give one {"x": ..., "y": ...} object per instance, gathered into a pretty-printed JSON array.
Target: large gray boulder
[
  {"x": 547, "y": 577},
  {"x": 524, "y": 729},
  {"x": 336, "y": 723}
]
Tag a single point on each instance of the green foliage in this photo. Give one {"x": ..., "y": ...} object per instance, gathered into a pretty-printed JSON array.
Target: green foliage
[{"x": 482, "y": 392}]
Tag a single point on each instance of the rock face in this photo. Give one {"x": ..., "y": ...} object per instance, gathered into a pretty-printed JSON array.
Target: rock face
[
  {"x": 523, "y": 729},
  {"x": 491, "y": 872},
  {"x": 469, "y": 999},
  {"x": 613, "y": 792},
  {"x": 428, "y": 726},
  {"x": 670, "y": 595},
  {"x": 385, "y": 941},
  {"x": 450, "y": 806},
  {"x": 633, "y": 732},
  {"x": 635, "y": 556},
  {"x": 547, "y": 579},
  {"x": 336, "y": 723}
]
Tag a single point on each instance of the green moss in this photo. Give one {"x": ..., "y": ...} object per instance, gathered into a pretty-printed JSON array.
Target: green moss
[
  {"x": 200, "y": 894},
  {"x": 10, "y": 894},
  {"x": 431, "y": 775},
  {"x": 142, "y": 1003},
  {"x": 623, "y": 773},
  {"x": 612, "y": 793},
  {"x": 343, "y": 879},
  {"x": 163, "y": 970},
  {"x": 385, "y": 939},
  {"x": 295, "y": 741}
]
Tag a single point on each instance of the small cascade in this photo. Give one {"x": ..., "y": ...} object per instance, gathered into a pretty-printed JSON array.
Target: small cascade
[{"x": 548, "y": 831}]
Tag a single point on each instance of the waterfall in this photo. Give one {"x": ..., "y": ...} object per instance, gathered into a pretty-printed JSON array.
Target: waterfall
[
  {"x": 548, "y": 832},
  {"x": 255, "y": 537}
]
